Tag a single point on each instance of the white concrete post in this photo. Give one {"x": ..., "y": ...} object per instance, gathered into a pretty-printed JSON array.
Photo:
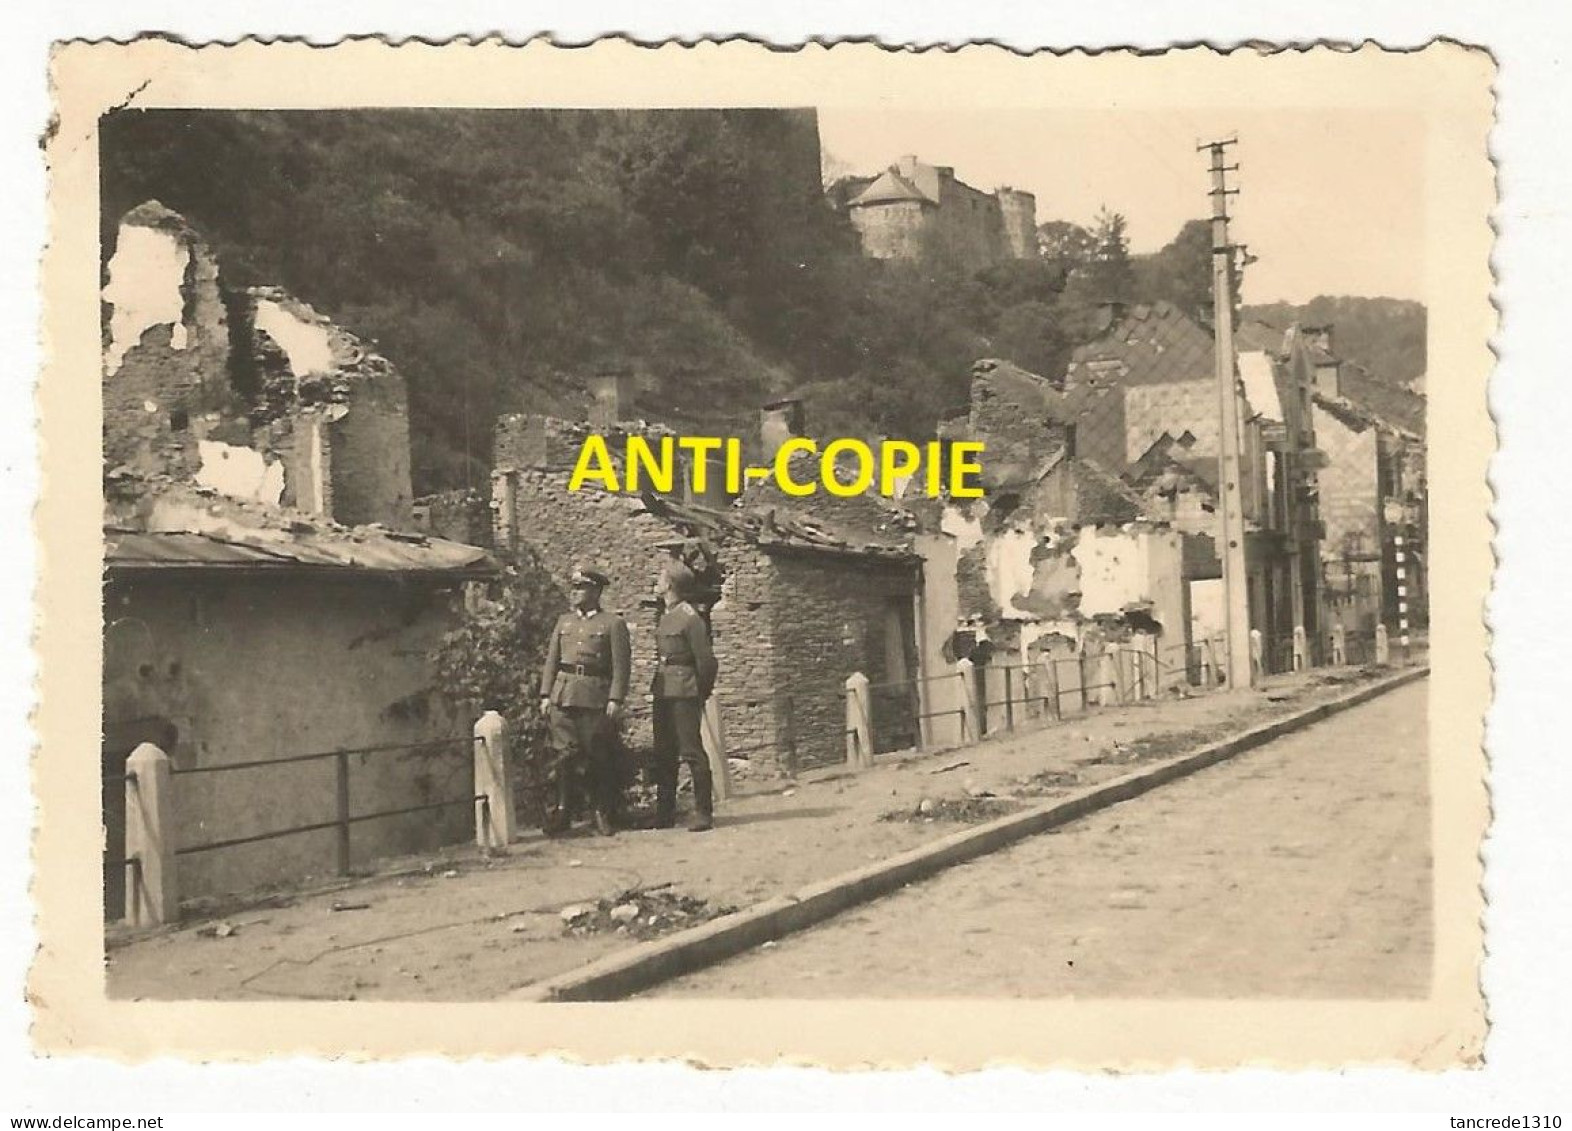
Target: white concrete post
[
  {"x": 1257, "y": 652},
  {"x": 971, "y": 723},
  {"x": 859, "y": 723},
  {"x": 1382, "y": 648},
  {"x": 153, "y": 895},
  {"x": 1108, "y": 667},
  {"x": 1148, "y": 677},
  {"x": 494, "y": 823},
  {"x": 1339, "y": 644},
  {"x": 1301, "y": 649},
  {"x": 712, "y": 730},
  {"x": 1205, "y": 655},
  {"x": 1050, "y": 686}
]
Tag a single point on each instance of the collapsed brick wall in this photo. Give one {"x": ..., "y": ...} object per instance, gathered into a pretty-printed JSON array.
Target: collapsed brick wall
[
  {"x": 167, "y": 344},
  {"x": 458, "y": 516},
  {"x": 1019, "y": 417},
  {"x": 247, "y": 392}
]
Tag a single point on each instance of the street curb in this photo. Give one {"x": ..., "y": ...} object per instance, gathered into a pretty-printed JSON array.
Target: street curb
[{"x": 637, "y": 968}]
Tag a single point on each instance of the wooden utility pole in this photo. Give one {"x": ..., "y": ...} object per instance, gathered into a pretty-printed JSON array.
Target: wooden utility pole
[{"x": 1230, "y": 508}]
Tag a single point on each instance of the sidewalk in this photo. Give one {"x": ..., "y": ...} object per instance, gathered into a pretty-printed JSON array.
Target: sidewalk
[{"x": 465, "y": 927}]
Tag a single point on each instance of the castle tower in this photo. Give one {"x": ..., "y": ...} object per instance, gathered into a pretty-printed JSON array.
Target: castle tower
[{"x": 1019, "y": 212}]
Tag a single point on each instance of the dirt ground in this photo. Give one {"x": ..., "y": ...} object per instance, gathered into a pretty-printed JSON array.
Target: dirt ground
[{"x": 466, "y": 927}]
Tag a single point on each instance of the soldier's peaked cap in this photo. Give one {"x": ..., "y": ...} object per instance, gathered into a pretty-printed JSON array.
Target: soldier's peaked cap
[{"x": 584, "y": 575}]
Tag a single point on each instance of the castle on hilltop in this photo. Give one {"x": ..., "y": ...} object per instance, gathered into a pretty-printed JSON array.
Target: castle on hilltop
[{"x": 913, "y": 206}]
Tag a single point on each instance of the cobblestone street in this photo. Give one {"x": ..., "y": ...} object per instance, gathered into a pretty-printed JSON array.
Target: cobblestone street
[{"x": 1300, "y": 869}]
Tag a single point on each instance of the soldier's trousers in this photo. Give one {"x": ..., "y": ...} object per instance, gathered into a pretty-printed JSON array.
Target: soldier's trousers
[
  {"x": 678, "y": 739},
  {"x": 585, "y": 736}
]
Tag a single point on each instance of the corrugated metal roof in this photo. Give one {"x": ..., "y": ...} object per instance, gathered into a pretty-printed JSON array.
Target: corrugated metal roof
[{"x": 270, "y": 549}]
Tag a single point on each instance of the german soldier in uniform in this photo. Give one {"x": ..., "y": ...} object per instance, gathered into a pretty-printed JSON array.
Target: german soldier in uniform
[
  {"x": 683, "y": 681},
  {"x": 582, "y": 687}
]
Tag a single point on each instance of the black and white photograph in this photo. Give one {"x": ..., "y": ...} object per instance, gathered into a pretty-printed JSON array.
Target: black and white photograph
[{"x": 798, "y": 549}]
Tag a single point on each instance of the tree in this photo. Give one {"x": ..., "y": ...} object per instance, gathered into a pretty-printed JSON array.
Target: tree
[
  {"x": 492, "y": 662},
  {"x": 1030, "y": 335},
  {"x": 1181, "y": 273},
  {"x": 1111, "y": 275},
  {"x": 1065, "y": 245}
]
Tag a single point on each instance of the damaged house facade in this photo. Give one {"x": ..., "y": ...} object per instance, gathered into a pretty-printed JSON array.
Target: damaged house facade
[
  {"x": 1143, "y": 396},
  {"x": 810, "y": 593},
  {"x": 264, "y": 599},
  {"x": 1373, "y": 491},
  {"x": 1059, "y": 561}
]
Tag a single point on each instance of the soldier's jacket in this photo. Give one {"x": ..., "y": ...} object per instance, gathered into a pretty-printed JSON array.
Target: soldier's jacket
[
  {"x": 687, "y": 665},
  {"x": 588, "y": 660}
]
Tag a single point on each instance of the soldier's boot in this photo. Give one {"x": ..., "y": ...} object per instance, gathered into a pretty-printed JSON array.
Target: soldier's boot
[
  {"x": 559, "y": 818},
  {"x": 703, "y": 799},
  {"x": 665, "y": 806},
  {"x": 665, "y": 798}
]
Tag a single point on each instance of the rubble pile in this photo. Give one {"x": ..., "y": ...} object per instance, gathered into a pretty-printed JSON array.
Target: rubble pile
[
  {"x": 639, "y": 913},
  {"x": 963, "y": 810},
  {"x": 1049, "y": 783}
]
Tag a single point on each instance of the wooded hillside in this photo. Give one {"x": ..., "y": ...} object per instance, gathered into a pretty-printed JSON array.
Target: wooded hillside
[
  {"x": 1385, "y": 335},
  {"x": 500, "y": 257}
]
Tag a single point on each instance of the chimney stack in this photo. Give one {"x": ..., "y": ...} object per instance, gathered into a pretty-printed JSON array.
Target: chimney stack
[
  {"x": 779, "y": 421},
  {"x": 613, "y": 393}
]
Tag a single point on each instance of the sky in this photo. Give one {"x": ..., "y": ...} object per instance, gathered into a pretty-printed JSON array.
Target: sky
[{"x": 1331, "y": 201}]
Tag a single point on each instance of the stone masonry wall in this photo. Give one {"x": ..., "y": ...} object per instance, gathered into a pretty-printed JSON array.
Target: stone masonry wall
[
  {"x": 829, "y": 620},
  {"x": 891, "y": 231},
  {"x": 970, "y": 223},
  {"x": 748, "y": 688},
  {"x": 167, "y": 344},
  {"x": 458, "y": 516},
  {"x": 370, "y": 442},
  {"x": 247, "y": 392},
  {"x": 598, "y": 529}
]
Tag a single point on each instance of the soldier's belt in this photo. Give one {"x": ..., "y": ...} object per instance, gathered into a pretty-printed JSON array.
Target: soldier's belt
[
  {"x": 676, "y": 662},
  {"x": 584, "y": 669}
]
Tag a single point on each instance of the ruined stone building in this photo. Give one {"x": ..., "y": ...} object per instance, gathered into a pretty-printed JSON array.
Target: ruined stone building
[
  {"x": 1372, "y": 489},
  {"x": 263, "y": 598},
  {"x": 810, "y": 592},
  {"x": 1145, "y": 406},
  {"x": 1060, "y": 559},
  {"x": 913, "y": 206}
]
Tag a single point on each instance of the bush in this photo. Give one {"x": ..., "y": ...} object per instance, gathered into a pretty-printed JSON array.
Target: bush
[{"x": 491, "y": 662}]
